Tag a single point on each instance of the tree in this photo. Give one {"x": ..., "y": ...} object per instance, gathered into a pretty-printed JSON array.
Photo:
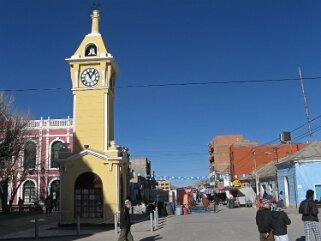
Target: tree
[{"x": 13, "y": 128}]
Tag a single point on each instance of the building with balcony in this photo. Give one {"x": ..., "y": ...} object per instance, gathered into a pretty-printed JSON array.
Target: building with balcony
[{"x": 47, "y": 139}]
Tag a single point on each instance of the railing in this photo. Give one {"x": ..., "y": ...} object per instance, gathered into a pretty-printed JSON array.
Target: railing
[{"x": 50, "y": 123}]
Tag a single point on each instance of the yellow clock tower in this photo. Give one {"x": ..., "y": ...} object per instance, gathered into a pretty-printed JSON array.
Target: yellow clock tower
[
  {"x": 93, "y": 177},
  {"x": 93, "y": 71}
]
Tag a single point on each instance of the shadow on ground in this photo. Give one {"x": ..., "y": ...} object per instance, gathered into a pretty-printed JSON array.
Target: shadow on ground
[
  {"x": 152, "y": 238},
  {"x": 302, "y": 238},
  {"x": 62, "y": 238}
]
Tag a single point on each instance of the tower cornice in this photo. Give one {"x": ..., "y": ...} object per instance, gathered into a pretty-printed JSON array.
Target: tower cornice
[{"x": 109, "y": 59}]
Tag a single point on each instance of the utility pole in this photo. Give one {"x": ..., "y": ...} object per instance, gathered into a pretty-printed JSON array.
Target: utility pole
[
  {"x": 306, "y": 107},
  {"x": 256, "y": 175}
]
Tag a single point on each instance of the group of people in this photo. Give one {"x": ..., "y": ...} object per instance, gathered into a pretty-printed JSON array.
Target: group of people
[{"x": 272, "y": 224}]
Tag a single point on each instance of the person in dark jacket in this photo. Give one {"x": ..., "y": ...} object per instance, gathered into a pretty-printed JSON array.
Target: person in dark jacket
[
  {"x": 49, "y": 204},
  {"x": 125, "y": 223},
  {"x": 264, "y": 221},
  {"x": 280, "y": 221},
  {"x": 309, "y": 212}
]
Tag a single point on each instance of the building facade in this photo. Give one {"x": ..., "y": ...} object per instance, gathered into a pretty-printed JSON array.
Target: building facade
[
  {"x": 300, "y": 172},
  {"x": 141, "y": 180},
  {"x": 247, "y": 159},
  {"x": 141, "y": 166},
  {"x": 46, "y": 140},
  {"x": 164, "y": 185},
  {"x": 219, "y": 157}
]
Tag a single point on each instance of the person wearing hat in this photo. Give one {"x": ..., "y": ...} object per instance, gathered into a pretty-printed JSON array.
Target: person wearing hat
[
  {"x": 280, "y": 221},
  {"x": 264, "y": 221},
  {"x": 125, "y": 223}
]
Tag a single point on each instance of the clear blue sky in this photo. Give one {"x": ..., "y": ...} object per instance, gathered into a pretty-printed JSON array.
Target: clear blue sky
[{"x": 173, "y": 41}]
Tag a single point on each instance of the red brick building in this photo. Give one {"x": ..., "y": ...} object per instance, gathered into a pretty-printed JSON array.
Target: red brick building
[
  {"x": 244, "y": 159},
  {"x": 219, "y": 156}
]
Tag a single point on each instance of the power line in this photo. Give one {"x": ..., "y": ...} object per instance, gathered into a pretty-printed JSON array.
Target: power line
[
  {"x": 174, "y": 84},
  {"x": 245, "y": 157},
  {"x": 217, "y": 82}
]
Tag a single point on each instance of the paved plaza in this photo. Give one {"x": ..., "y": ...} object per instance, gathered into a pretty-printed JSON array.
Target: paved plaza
[{"x": 226, "y": 225}]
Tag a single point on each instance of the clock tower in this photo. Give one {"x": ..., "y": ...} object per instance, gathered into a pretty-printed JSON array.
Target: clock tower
[
  {"x": 94, "y": 177},
  {"x": 93, "y": 72}
]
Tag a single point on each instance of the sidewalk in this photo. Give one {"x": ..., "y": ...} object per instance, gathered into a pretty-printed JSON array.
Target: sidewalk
[
  {"x": 22, "y": 227},
  {"x": 225, "y": 225}
]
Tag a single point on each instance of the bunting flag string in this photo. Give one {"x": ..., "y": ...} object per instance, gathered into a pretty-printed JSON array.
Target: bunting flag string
[{"x": 175, "y": 178}]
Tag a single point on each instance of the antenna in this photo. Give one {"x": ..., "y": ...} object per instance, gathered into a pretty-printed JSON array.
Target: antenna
[{"x": 306, "y": 107}]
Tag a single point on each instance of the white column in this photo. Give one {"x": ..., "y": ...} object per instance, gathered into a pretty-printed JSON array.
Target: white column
[
  {"x": 103, "y": 71},
  {"x": 39, "y": 161},
  {"x": 47, "y": 162},
  {"x": 74, "y": 114},
  {"x": 106, "y": 122},
  {"x": 117, "y": 188},
  {"x": 76, "y": 83}
]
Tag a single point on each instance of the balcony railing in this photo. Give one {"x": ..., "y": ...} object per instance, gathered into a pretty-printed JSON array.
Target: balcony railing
[{"x": 50, "y": 123}]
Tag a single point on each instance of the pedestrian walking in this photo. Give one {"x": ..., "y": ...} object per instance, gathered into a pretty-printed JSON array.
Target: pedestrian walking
[
  {"x": 280, "y": 221},
  {"x": 125, "y": 223},
  {"x": 264, "y": 221},
  {"x": 281, "y": 196},
  {"x": 309, "y": 212},
  {"x": 49, "y": 203},
  {"x": 20, "y": 203}
]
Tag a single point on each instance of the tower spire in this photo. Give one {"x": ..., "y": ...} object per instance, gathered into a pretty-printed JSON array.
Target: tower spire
[{"x": 95, "y": 21}]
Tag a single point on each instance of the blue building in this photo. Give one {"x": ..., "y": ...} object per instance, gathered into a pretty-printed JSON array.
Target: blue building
[{"x": 300, "y": 172}]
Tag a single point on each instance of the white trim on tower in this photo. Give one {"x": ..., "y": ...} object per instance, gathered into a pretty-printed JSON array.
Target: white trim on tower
[
  {"x": 103, "y": 78},
  {"x": 74, "y": 114},
  {"x": 106, "y": 122},
  {"x": 76, "y": 84}
]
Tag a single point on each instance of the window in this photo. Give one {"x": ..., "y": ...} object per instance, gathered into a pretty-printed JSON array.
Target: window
[
  {"x": 91, "y": 50},
  {"x": 88, "y": 196},
  {"x": 30, "y": 155},
  {"x": 29, "y": 193},
  {"x": 56, "y": 148},
  {"x": 318, "y": 192}
]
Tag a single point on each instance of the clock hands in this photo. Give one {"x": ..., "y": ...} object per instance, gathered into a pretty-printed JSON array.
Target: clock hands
[
  {"x": 92, "y": 74},
  {"x": 90, "y": 77}
]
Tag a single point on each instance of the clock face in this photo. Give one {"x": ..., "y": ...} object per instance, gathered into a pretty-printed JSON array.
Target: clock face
[{"x": 89, "y": 77}]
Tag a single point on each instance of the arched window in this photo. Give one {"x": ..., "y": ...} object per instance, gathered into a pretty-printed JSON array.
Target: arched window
[
  {"x": 30, "y": 155},
  {"x": 88, "y": 196},
  {"x": 29, "y": 192},
  {"x": 56, "y": 148},
  {"x": 55, "y": 193},
  {"x": 91, "y": 50}
]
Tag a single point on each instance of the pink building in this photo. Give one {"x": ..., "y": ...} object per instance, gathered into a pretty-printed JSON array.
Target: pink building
[{"x": 47, "y": 138}]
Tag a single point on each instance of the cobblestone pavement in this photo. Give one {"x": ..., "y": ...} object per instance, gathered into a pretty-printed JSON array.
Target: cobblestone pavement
[{"x": 226, "y": 225}]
